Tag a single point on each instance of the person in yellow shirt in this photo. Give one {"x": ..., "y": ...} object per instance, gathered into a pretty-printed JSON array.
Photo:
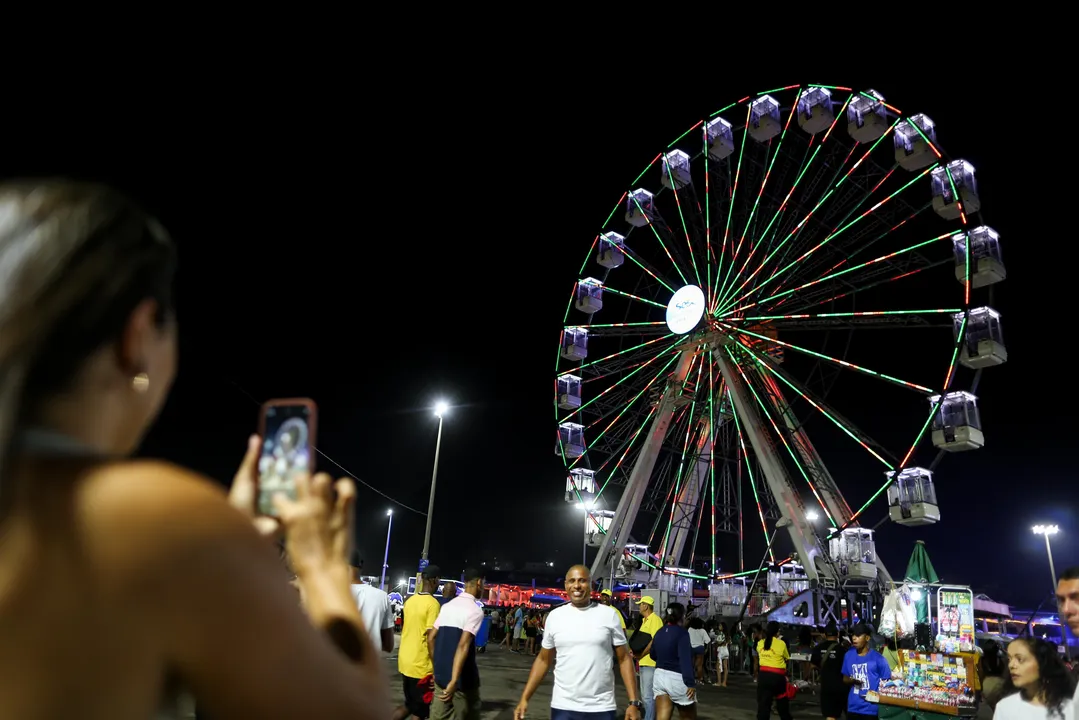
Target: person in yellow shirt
[
  {"x": 773, "y": 657},
  {"x": 605, "y": 598},
  {"x": 413, "y": 657},
  {"x": 651, "y": 623}
]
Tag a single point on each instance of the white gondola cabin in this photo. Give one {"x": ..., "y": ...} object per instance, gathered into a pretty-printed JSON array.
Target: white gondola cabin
[
  {"x": 640, "y": 207},
  {"x": 589, "y": 295},
  {"x": 675, "y": 170},
  {"x": 575, "y": 343},
  {"x": 720, "y": 136},
  {"x": 956, "y": 423},
  {"x": 983, "y": 339},
  {"x": 570, "y": 440},
  {"x": 764, "y": 120},
  {"x": 986, "y": 264},
  {"x": 912, "y": 499},
  {"x": 951, "y": 183},
  {"x": 581, "y": 486},
  {"x": 815, "y": 111},
  {"x": 914, "y": 138},
  {"x": 569, "y": 392},
  {"x": 612, "y": 250},
  {"x": 867, "y": 118},
  {"x": 597, "y": 523},
  {"x": 854, "y": 551}
]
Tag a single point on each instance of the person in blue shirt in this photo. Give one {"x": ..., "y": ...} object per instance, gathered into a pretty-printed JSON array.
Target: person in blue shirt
[
  {"x": 674, "y": 684},
  {"x": 863, "y": 669}
]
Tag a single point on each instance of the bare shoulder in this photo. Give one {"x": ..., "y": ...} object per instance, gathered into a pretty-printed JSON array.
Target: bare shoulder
[{"x": 142, "y": 513}]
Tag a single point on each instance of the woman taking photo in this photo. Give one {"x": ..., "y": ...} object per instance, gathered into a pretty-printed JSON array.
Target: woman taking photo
[
  {"x": 122, "y": 579},
  {"x": 674, "y": 684},
  {"x": 772, "y": 657},
  {"x": 1038, "y": 686}
]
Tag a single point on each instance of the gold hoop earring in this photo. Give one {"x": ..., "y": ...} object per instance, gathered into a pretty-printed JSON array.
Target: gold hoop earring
[{"x": 140, "y": 383}]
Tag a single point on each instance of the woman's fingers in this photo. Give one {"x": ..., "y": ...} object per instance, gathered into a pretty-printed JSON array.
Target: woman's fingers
[
  {"x": 244, "y": 490},
  {"x": 342, "y": 523}
]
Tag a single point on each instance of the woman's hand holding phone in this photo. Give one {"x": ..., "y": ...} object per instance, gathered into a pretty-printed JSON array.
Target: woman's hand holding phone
[
  {"x": 318, "y": 524},
  {"x": 243, "y": 495}
]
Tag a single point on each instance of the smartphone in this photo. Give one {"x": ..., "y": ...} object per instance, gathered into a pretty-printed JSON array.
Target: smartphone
[{"x": 287, "y": 428}]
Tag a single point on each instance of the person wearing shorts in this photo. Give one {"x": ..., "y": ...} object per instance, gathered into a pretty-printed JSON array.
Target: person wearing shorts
[{"x": 674, "y": 684}]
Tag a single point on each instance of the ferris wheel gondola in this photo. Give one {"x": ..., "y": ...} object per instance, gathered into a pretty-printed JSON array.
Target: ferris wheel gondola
[{"x": 720, "y": 305}]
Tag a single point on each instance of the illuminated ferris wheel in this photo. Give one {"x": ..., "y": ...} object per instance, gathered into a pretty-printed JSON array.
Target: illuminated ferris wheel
[{"x": 807, "y": 257}]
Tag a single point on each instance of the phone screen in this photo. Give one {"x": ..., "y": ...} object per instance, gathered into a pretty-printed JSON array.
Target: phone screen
[{"x": 286, "y": 451}]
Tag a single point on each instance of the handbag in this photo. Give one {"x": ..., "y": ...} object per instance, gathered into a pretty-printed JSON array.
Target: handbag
[{"x": 639, "y": 642}]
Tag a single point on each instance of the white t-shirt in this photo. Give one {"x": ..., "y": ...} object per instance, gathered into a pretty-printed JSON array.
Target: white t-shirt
[
  {"x": 1014, "y": 707},
  {"x": 375, "y": 609},
  {"x": 583, "y": 640},
  {"x": 698, "y": 637}
]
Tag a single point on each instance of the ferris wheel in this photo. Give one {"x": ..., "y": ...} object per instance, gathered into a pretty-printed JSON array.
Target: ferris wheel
[{"x": 805, "y": 260}]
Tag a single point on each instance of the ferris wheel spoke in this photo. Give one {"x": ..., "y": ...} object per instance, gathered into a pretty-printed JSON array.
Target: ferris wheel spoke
[
  {"x": 681, "y": 215},
  {"x": 816, "y": 207},
  {"x": 624, "y": 409},
  {"x": 669, "y": 336},
  {"x": 730, "y": 210},
  {"x": 752, "y": 479},
  {"x": 837, "y": 232},
  {"x": 768, "y": 414},
  {"x": 625, "y": 448},
  {"x": 652, "y": 272},
  {"x": 794, "y": 322},
  {"x": 614, "y": 386},
  {"x": 652, "y": 227},
  {"x": 829, "y": 358},
  {"x": 840, "y": 273},
  {"x": 868, "y": 444}
]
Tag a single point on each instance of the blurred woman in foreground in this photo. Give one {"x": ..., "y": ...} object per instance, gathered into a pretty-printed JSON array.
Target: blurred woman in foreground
[
  {"x": 121, "y": 579},
  {"x": 1039, "y": 686}
]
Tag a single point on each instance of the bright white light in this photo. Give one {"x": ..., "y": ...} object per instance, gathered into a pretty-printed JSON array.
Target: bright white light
[
  {"x": 1045, "y": 529},
  {"x": 685, "y": 309},
  {"x": 402, "y": 581},
  {"x": 586, "y": 506},
  {"x": 812, "y": 516},
  {"x": 441, "y": 408},
  {"x": 915, "y": 594},
  {"x": 389, "y": 512}
]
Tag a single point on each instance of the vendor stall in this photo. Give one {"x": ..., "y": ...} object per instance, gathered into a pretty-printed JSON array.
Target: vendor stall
[{"x": 942, "y": 680}]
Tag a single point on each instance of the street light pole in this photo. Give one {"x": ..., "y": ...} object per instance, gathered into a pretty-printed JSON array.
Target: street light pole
[
  {"x": 386, "y": 555},
  {"x": 1047, "y": 531},
  {"x": 440, "y": 410}
]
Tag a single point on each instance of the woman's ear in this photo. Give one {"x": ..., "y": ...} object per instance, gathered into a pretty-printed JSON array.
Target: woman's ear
[{"x": 137, "y": 338}]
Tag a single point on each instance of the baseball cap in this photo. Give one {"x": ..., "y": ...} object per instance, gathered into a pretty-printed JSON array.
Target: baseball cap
[
  {"x": 431, "y": 572},
  {"x": 607, "y": 593},
  {"x": 647, "y": 600}
]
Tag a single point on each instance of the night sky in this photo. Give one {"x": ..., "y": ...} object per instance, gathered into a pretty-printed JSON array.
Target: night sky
[{"x": 424, "y": 248}]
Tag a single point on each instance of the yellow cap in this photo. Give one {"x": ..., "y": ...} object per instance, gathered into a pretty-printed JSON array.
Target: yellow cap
[
  {"x": 607, "y": 593},
  {"x": 647, "y": 600}
]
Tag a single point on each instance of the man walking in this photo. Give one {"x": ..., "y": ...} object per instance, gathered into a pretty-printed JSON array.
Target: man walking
[
  {"x": 828, "y": 658},
  {"x": 606, "y": 598},
  {"x": 863, "y": 671},
  {"x": 374, "y": 605},
  {"x": 414, "y": 656},
  {"x": 650, "y": 624},
  {"x": 457, "y": 679},
  {"x": 582, "y": 635}
]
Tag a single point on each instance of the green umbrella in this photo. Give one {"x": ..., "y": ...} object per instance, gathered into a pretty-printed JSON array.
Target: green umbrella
[{"x": 920, "y": 572}]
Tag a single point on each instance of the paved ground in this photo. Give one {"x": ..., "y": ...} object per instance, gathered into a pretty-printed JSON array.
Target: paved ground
[{"x": 503, "y": 675}]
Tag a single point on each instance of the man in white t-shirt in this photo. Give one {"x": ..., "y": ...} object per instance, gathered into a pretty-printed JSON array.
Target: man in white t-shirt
[
  {"x": 582, "y": 634},
  {"x": 374, "y": 606},
  {"x": 1068, "y": 607}
]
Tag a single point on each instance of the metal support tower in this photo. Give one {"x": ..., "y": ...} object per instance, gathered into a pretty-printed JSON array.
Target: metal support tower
[
  {"x": 694, "y": 485},
  {"x": 775, "y": 474},
  {"x": 614, "y": 542}
]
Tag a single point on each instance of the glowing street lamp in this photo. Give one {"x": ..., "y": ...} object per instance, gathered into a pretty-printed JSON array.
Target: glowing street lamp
[
  {"x": 1048, "y": 531},
  {"x": 440, "y": 409},
  {"x": 386, "y": 555}
]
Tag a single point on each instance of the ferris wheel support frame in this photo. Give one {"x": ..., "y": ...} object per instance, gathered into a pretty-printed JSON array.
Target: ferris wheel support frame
[
  {"x": 684, "y": 510},
  {"x": 826, "y": 485},
  {"x": 775, "y": 474},
  {"x": 614, "y": 541}
]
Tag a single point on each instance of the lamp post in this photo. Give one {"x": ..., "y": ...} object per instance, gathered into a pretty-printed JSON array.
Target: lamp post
[
  {"x": 1048, "y": 531},
  {"x": 386, "y": 555},
  {"x": 441, "y": 408}
]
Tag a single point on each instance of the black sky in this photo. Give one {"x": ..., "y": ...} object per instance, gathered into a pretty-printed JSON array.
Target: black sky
[{"x": 424, "y": 247}]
